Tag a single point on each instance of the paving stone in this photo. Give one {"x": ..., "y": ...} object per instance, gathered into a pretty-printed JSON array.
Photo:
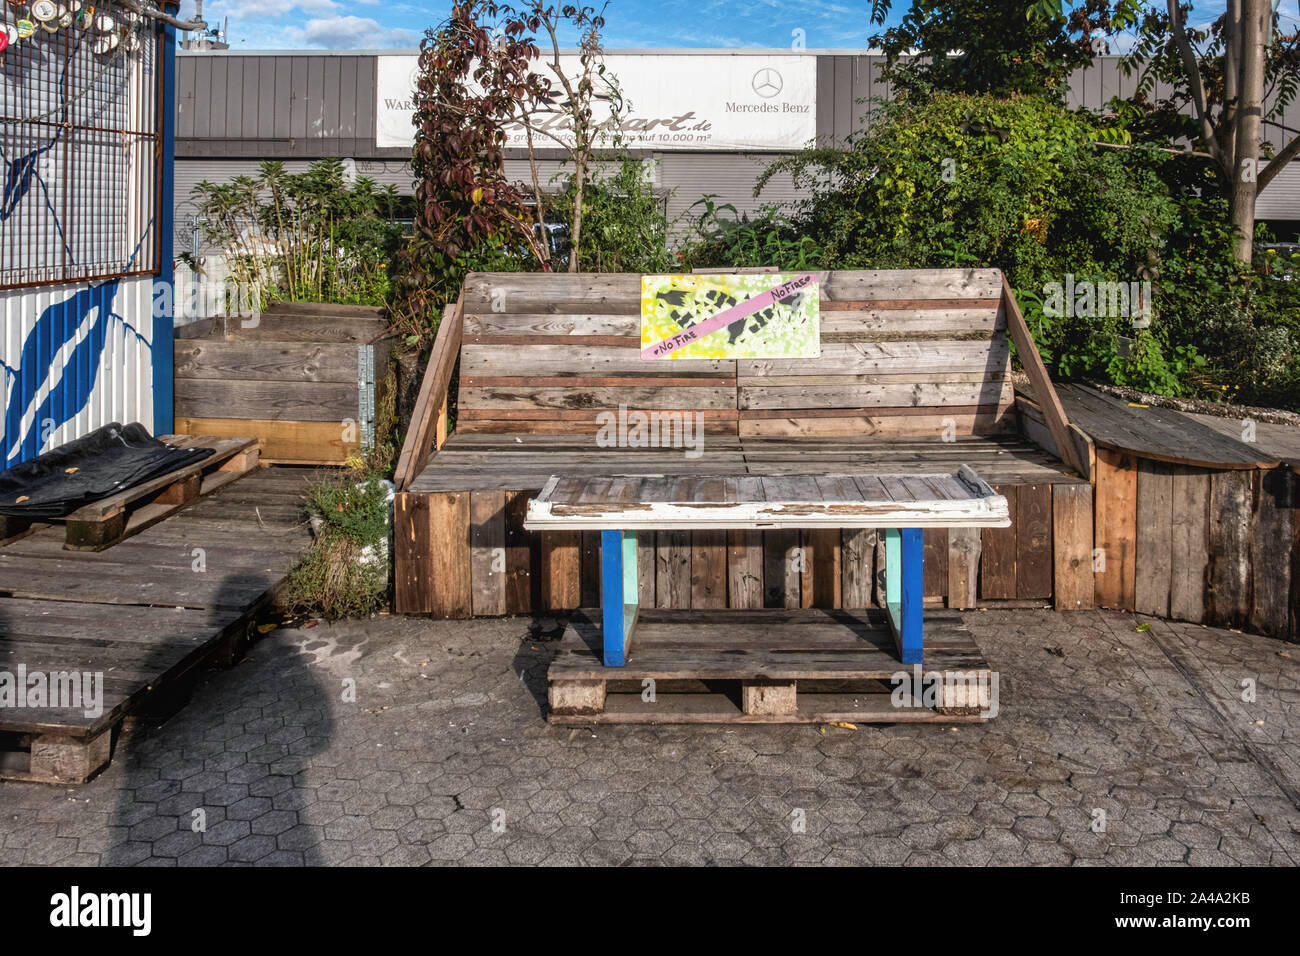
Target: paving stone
[{"x": 290, "y": 775}]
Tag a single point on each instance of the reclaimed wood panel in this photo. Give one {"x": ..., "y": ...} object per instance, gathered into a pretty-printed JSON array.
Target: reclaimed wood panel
[
  {"x": 561, "y": 570},
  {"x": 1033, "y": 520},
  {"x": 857, "y": 567},
  {"x": 820, "y": 581},
  {"x": 708, "y": 569},
  {"x": 998, "y": 552},
  {"x": 1153, "y": 561},
  {"x": 590, "y": 572},
  {"x": 964, "y": 551},
  {"x": 1189, "y": 557},
  {"x": 523, "y": 554},
  {"x": 673, "y": 569},
  {"x": 1072, "y": 583},
  {"x": 745, "y": 569},
  {"x": 1231, "y": 504},
  {"x": 1115, "y": 506},
  {"x": 449, "y": 582},
  {"x": 1270, "y": 552},
  {"x": 284, "y": 442},
  {"x": 935, "y": 551},
  {"x": 411, "y": 548},
  {"x": 782, "y": 563},
  {"x": 488, "y": 571}
]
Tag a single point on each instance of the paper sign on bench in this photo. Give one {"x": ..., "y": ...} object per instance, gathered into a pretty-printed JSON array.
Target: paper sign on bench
[{"x": 772, "y": 315}]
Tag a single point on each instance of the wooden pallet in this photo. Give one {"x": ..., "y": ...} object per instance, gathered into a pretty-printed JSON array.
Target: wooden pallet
[
  {"x": 103, "y": 523},
  {"x": 140, "y": 617},
  {"x": 767, "y": 667}
]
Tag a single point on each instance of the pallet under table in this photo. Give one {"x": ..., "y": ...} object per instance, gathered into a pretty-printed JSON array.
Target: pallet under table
[
  {"x": 767, "y": 667},
  {"x": 787, "y": 666}
]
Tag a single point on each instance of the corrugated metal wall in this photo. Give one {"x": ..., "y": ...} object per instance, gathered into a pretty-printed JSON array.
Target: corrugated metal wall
[{"x": 76, "y": 357}]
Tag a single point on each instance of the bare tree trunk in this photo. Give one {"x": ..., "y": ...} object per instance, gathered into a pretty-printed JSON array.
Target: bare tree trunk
[
  {"x": 580, "y": 171},
  {"x": 1250, "y": 105},
  {"x": 545, "y": 237}
]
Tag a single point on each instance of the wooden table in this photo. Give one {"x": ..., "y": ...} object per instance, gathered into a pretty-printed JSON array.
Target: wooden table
[{"x": 901, "y": 505}]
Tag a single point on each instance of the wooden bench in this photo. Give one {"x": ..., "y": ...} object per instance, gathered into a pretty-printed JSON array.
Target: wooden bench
[
  {"x": 914, "y": 378},
  {"x": 103, "y": 523}
]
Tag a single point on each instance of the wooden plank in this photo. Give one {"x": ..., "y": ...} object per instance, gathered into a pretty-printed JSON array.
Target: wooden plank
[
  {"x": 284, "y": 328},
  {"x": 561, "y": 570},
  {"x": 857, "y": 567},
  {"x": 708, "y": 569},
  {"x": 1033, "y": 541},
  {"x": 1072, "y": 584},
  {"x": 1228, "y": 596},
  {"x": 1115, "y": 507},
  {"x": 423, "y": 430},
  {"x": 998, "y": 552},
  {"x": 673, "y": 569},
  {"x": 266, "y": 361},
  {"x": 964, "y": 546},
  {"x": 1270, "y": 552},
  {"x": 936, "y": 562},
  {"x": 858, "y": 358},
  {"x": 266, "y": 400},
  {"x": 892, "y": 395},
  {"x": 783, "y": 561},
  {"x": 591, "y": 568},
  {"x": 745, "y": 569},
  {"x": 1161, "y": 434},
  {"x": 1153, "y": 560},
  {"x": 566, "y": 397},
  {"x": 1189, "y": 564},
  {"x": 412, "y": 542},
  {"x": 1044, "y": 392},
  {"x": 820, "y": 582},
  {"x": 284, "y": 442},
  {"x": 876, "y": 423},
  {"x": 450, "y": 589},
  {"x": 523, "y": 553},
  {"x": 488, "y": 568}
]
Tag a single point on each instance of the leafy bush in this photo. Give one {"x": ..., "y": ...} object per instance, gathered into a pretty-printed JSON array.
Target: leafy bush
[
  {"x": 719, "y": 236},
  {"x": 623, "y": 226},
  {"x": 345, "y": 574}
]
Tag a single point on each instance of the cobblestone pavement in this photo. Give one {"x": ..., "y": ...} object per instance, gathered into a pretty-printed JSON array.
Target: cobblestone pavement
[{"x": 444, "y": 757}]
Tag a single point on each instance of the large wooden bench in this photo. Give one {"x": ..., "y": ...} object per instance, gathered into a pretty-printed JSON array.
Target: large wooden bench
[{"x": 914, "y": 377}]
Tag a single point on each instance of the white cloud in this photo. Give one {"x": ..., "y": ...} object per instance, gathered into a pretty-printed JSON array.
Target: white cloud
[{"x": 349, "y": 33}]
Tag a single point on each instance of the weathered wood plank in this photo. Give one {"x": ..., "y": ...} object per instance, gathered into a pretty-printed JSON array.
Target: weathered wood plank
[
  {"x": 449, "y": 585},
  {"x": 1228, "y": 595},
  {"x": 1270, "y": 552},
  {"x": 999, "y": 548},
  {"x": 1116, "y": 527},
  {"x": 266, "y": 400},
  {"x": 708, "y": 569},
  {"x": 523, "y": 557},
  {"x": 673, "y": 569},
  {"x": 1072, "y": 583},
  {"x": 857, "y": 567},
  {"x": 488, "y": 569},
  {"x": 783, "y": 561},
  {"x": 964, "y": 547},
  {"x": 266, "y": 361},
  {"x": 1189, "y": 543},
  {"x": 935, "y": 568},
  {"x": 1153, "y": 561},
  {"x": 561, "y": 570},
  {"x": 1033, "y": 518},
  {"x": 745, "y": 569}
]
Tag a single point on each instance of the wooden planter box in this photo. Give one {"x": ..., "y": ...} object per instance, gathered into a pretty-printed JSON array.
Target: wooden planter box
[{"x": 303, "y": 378}]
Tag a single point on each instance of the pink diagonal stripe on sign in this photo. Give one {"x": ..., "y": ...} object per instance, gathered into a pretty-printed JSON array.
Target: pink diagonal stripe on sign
[{"x": 724, "y": 318}]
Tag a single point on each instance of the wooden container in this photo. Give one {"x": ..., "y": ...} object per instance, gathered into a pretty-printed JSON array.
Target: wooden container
[{"x": 303, "y": 378}]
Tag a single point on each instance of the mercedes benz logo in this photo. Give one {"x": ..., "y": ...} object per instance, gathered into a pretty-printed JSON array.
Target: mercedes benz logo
[{"x": 766, "y": 82}]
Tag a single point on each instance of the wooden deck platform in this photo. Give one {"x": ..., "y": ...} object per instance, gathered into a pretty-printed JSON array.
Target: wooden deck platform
[
  {"x": 144, "y": 614},
  {"x": 765, "y": 666}
]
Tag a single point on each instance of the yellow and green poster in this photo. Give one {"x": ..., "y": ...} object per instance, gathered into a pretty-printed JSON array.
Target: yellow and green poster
[{"x": 769, "y": 315}]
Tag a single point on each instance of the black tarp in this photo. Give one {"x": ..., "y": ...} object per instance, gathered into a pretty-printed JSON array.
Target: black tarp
[{"x": 107, "y": 461}]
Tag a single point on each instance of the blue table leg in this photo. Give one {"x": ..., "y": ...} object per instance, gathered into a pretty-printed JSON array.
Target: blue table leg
[
  {"x": 618, "y": 594},
  {"x": 904, "y": 570}
]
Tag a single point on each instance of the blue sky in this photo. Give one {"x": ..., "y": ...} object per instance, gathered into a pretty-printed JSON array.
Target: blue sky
[
  {"x": 379, "y": 24},
  {"x": 372, "y": 24}
]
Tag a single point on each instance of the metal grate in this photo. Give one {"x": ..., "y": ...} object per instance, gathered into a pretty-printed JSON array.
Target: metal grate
[{"x": 79, "y": 144}]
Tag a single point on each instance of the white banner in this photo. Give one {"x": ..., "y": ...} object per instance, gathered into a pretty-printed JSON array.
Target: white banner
[{"x": 674, "y": 101}]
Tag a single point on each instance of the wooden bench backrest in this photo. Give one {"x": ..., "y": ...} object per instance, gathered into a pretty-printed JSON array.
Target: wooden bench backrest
[{"x": 904, "y": 353}]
